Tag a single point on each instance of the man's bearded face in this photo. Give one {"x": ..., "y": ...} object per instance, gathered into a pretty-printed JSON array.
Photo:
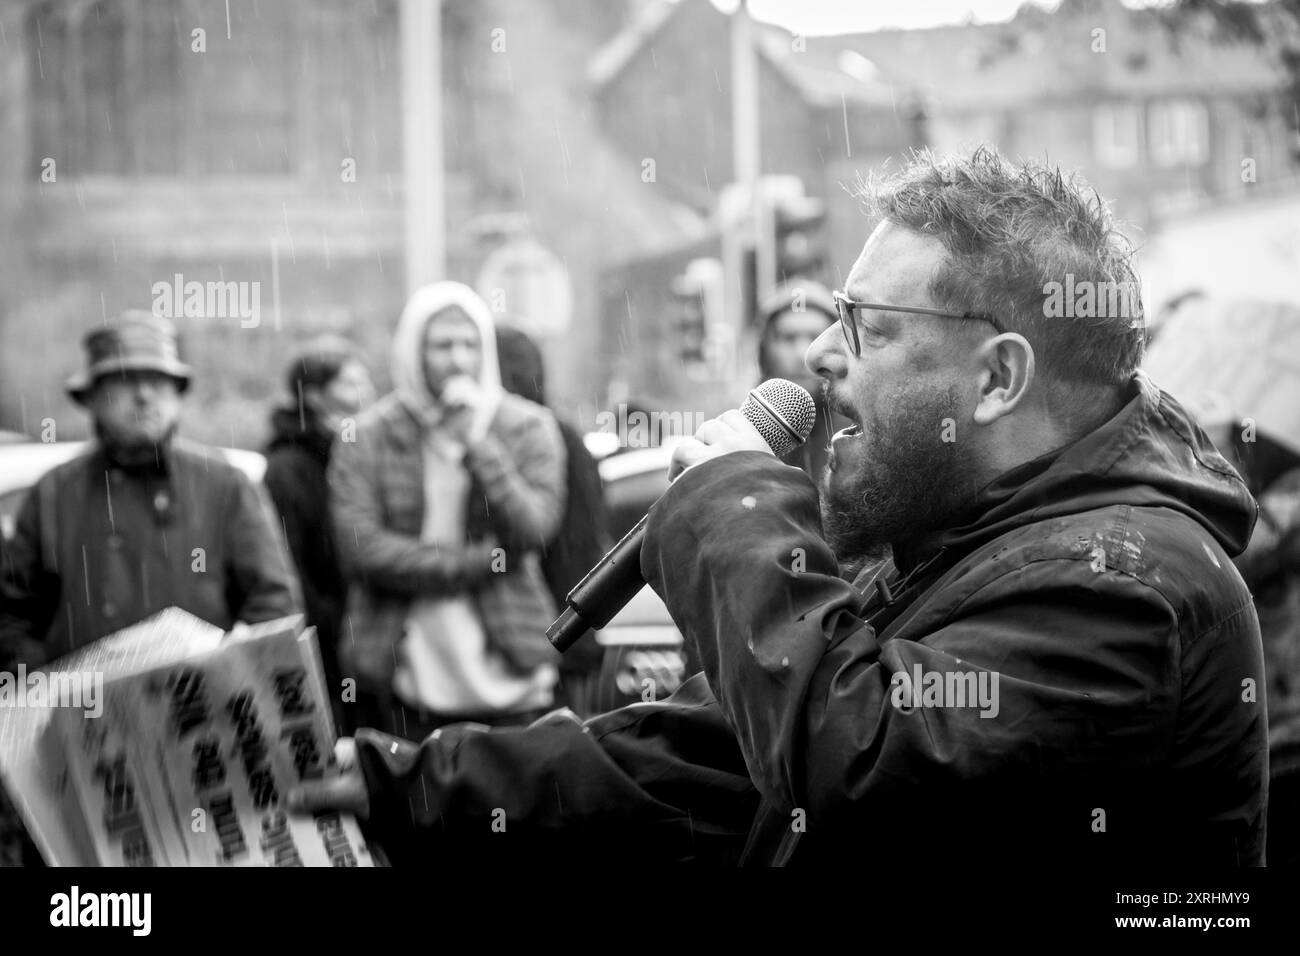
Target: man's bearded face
[
  {"x": 909, "y": 464},
  {"x": 892, "y": 476}
]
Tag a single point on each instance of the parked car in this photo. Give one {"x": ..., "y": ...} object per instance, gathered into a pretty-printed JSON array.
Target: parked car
[{"x": 23, "y": 462}]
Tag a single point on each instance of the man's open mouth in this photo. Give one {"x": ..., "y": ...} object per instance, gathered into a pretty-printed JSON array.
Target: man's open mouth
[{"x": 853, "y": 431}]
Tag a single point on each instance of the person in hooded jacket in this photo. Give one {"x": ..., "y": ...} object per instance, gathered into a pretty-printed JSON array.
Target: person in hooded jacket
[
  {"x": 327, "y": 386},
  {"x": 1057, "y": 665},
  {"x": 440, "y": 507}
]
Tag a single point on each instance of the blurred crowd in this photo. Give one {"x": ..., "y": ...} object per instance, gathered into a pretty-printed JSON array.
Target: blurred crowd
[{"x": 431, "y": 533}]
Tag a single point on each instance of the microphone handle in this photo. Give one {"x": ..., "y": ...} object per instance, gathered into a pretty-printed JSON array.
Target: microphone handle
[{"x": 584, "y": 610}]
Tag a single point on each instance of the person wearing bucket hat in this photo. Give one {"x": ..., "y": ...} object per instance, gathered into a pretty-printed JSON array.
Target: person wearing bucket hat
[
  {"x": 791, "y": 318},
  {"x": 142, "y": 521},
  {"x": 131, "y": 385},
  {"x": 138, "y": 342}
]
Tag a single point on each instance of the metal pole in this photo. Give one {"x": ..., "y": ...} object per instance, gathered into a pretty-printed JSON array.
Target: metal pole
[
  {"x": 744, "y": 98},
  {"x": 421, "y": 29},
  {"x": 745, "y": 144}
]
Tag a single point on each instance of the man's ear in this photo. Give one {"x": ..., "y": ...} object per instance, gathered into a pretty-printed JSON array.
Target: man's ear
[{"x": 1006, "y": 374}]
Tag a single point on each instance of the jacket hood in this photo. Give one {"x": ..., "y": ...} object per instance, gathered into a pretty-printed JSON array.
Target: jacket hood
[
  {"x": 1151, "y": 454},
  {"x": 407, "y": 362}
]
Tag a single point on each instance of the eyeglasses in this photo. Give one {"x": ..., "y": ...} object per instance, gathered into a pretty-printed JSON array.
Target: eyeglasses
[{"x": 846, "y": 307}]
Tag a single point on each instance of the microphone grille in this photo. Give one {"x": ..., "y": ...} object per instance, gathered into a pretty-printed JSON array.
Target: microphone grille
[{"x": 782, "y": 412}]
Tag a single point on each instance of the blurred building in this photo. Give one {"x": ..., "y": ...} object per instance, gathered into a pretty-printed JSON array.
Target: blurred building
[
  {"x": 150, "y": 139},
  {"x": 587, "y": 145},
  {"x": 1169, "y": 118},
  {"x": 1159, "y": 110}
]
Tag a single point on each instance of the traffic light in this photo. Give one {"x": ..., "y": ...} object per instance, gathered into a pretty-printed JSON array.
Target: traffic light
[
  {"x": 691, "y": 321},
  {"x": 799, "y": 238},
  {"x": 700, "y": 324}
]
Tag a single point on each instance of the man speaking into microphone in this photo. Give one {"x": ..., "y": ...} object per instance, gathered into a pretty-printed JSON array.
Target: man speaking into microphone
[{"x": 1010, "y": 633}]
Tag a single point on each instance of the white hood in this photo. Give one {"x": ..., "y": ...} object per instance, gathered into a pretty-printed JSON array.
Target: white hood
[{"x": 408, "y": 346}]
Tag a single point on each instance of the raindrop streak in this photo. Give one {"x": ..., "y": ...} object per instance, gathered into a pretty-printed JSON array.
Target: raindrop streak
[
  {"x": 848, "y": 147},
  {"x": 108, "y": 496},
  {"x": 284, "y": 209}
]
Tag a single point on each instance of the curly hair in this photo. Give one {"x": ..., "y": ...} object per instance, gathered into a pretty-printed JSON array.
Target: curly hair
[{"x": 1013, "y": 232}]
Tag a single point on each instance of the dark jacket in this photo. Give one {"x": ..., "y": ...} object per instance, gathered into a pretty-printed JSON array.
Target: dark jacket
[
  {"x": 296, "y": 463},
  {"x": 377, "y": 490},
  {"x": 1097, "y": 583},
  {"x": 97, "y": 548}
]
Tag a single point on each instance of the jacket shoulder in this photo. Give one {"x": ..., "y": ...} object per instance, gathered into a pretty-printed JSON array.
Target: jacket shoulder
[
  {"x": 518, "y": 416},
  {"x": 517, "y": 412},
  {"x": 386, "y": 415},
  {"x": 65, "y": 472},
  {"x": 1158, "y": 549}
]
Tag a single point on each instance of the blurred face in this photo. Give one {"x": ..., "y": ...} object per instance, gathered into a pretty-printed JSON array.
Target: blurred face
[
  {"x": 135, "y": 408},
  {"x": 346, "y": 393},
  {"x": 452, "y": 347},
  {"x": 892, "y": 476},
  {"x": 788, "y": 338}
]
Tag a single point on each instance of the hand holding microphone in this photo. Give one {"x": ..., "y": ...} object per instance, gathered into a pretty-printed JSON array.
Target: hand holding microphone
[
  {"x": 775, "y": 418},
  {"x": 730, "y": 431}
]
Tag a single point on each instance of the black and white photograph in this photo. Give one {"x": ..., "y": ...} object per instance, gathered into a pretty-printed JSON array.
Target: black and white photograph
[{"x": 600, "y": 437}]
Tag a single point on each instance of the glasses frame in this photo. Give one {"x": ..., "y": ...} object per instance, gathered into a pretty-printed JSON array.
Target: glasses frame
[{"x": 844, "y": 307}]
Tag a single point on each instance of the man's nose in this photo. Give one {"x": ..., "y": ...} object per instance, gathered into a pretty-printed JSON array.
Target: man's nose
[{"x": 826, "y": 356}]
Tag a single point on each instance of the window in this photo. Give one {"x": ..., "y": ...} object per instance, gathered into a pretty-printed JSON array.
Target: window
[
  {"x": 1178, "y": 132},
  {"x": 1117, "y": 134}
]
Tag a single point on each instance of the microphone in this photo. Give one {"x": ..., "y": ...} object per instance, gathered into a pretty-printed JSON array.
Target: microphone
[{"x": 781, "y": 411}]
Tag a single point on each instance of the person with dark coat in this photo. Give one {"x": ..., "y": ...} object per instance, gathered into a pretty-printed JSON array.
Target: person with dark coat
[
  {"x": 327, "y": 386},
  {"x": 142, "y": 521},
  {"x": 581, "y": 540},
  {"x": 1056, "y": 664}
]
